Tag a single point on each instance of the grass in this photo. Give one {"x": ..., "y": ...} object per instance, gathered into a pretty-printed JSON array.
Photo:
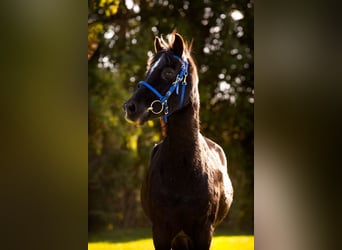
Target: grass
[{"x": 133, "y": 239}]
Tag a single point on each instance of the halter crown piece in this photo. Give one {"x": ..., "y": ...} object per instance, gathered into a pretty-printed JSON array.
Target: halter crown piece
[{"x": 180, "y": 79}]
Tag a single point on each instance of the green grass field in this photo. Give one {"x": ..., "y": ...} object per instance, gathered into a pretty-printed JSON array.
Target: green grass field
[{"x": 140, "y": 239}]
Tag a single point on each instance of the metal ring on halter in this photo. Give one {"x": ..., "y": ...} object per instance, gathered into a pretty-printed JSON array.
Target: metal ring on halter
[{"x": 156, "y": 112}]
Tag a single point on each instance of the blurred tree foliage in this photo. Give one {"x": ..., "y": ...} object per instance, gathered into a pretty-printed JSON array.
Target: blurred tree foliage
[{"x": 120, "y": 39}]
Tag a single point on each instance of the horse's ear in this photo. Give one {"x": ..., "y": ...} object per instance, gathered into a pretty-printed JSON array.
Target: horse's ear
[
  {"x": 157, "y": 45},
  {"x": 178, "y": 45}
]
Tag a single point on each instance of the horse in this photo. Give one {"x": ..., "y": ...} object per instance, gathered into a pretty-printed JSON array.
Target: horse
[{"x": 187, "y": 191}]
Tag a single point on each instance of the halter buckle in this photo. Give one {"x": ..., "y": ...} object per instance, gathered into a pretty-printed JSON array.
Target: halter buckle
[
  {"x": 153, "y": 106},
  {"x": 184, "y": 79}
]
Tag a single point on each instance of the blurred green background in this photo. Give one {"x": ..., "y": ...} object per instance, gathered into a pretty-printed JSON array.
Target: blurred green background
[{"x": 120, "y": 39}]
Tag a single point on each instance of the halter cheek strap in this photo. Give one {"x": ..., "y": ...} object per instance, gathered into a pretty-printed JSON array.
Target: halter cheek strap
[{"x": 180, "y": 79}]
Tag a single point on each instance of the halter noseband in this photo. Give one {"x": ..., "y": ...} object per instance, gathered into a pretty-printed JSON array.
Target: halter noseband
[{"x": 180, "y": 79}]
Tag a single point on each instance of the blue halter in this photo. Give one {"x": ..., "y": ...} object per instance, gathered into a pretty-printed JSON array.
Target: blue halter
[{"x": 180, "y": 79}]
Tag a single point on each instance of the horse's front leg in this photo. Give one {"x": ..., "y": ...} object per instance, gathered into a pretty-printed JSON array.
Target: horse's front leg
[{"x": 161, "y": 238}]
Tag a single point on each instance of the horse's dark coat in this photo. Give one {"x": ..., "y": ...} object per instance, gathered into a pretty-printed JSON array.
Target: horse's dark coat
[{"x": 187, "y": 191}]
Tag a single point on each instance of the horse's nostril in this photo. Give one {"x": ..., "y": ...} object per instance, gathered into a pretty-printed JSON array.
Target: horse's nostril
[{"x": 130, "y": 107}]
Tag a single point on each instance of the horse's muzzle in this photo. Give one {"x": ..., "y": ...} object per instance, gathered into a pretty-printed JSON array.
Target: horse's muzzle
[
  {"x": 135, "y": 113},
  {"x": 130, "y": 108}
]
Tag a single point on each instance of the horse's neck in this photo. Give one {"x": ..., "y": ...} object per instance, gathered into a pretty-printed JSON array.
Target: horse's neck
[{"x": 183, "y": 130}]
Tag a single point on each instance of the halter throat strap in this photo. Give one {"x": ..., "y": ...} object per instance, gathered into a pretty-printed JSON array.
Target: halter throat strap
[{"x": 180, "y": 79}]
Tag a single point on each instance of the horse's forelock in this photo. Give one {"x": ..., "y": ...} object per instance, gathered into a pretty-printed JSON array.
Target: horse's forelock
[{"x": 152, "y": 60}]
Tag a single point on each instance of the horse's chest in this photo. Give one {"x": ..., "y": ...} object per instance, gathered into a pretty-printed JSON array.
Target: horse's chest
[{"x": 173, "y": 189}]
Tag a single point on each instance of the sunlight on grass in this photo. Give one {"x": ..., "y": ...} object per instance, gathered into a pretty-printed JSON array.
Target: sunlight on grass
[
  {"x": 218, "y": 243},
  {"x": 233, "y": 242},
  {"x": 145, "y": 244}
]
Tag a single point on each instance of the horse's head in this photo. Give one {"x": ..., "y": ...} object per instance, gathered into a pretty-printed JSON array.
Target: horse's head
[{"x": 164, "y": 89}]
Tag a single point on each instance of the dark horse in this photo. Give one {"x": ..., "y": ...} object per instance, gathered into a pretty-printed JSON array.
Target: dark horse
[{"x": 187, "y": 191}]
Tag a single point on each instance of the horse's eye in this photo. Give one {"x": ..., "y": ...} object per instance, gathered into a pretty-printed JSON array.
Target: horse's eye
[{"x": 168, "y": 73}]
